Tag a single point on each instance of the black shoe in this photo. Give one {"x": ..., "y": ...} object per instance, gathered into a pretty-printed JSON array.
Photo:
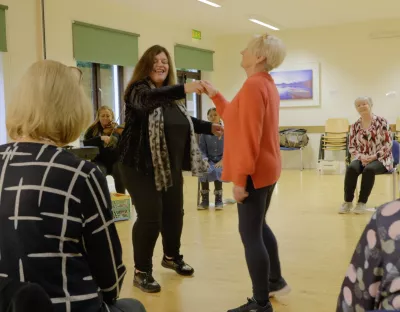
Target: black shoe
[
  {"x": 178, "y": 265},
  {"x": 278, "y": 288},
  {"x": 253, "y": 306},
  {"x": 205, "y": 200},
  {"x": 219, "y": 204},
  {"x": 146, "y": 282}
]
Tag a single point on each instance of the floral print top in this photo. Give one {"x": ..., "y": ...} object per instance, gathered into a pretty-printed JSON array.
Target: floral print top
[
  {"x": 376, "y": 140},
  {"x": 373, "y": 280}
]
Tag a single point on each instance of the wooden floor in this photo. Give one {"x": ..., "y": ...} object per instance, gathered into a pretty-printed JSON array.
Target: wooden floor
[{"x": 315, "y": 244}]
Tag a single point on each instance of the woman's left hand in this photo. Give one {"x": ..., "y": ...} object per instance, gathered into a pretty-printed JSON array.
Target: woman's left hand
[
  {"x": 219, "y": 164},
  {"x": 217, "y": 130}
]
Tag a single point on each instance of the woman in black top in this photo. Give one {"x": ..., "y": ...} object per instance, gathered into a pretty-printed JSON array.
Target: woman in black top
[
  {"x": 157, "y": 144},
  {"x": 96, "y": 135},
  {"x": 56, "y": 226}
]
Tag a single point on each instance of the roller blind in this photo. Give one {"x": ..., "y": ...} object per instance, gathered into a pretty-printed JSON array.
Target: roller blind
[
  {"x": 96, "y": 44},
  {"x": 3, "y": 39},
  {"x": 193, "y": 58}
]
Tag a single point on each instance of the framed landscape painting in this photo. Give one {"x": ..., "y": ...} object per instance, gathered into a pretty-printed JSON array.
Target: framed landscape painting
[{"x": 298, "y": 85}]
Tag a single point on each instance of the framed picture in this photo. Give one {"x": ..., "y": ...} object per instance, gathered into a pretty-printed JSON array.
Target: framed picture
[{"x": 298, "y": 85}]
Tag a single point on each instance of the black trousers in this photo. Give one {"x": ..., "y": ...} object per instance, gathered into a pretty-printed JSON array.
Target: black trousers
[
  {"x": 217, "y": 185},
  {"x": 368, "y": 179},
  {"x": 260, "y": 245},
  {"x": 157, "y": 211},
  {"x": 115, "y": 171}
]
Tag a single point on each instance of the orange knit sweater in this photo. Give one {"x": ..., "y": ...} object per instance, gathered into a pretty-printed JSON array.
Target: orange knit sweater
[{"x": 251, "y": 140}]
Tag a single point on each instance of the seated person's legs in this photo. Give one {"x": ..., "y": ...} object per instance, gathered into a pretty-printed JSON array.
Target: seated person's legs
[
  {"x": 367, "y": 183},
  {"x": 350, "y": 184}
]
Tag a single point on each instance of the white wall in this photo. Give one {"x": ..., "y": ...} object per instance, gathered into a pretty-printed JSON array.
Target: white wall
[
  {"x": 22, "y": 30},
  {"x": 351, "y": 65}
]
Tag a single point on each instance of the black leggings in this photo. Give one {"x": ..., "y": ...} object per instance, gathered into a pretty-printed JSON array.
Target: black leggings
[
  {"x": 260, "y": 245},
  {"x": 217, "y": 185},
  {"x": 368, "y": 179},
  {"x": 157, "y": 211}
]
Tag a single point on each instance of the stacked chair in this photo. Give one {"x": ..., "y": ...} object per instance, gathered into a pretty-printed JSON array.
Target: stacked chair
[{"x": 335, "y": 138}]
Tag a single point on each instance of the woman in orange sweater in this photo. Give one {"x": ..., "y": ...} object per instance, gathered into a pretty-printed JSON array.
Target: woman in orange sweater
[{"x": 252, "y": 162}]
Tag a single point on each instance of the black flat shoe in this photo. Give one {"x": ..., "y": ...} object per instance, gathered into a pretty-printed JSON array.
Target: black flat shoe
[
  {"x": 146, "y": 282},
  {"x": 178, "y": 265}
]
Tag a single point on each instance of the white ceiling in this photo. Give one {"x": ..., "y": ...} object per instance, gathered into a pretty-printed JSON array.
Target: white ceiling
[{"x": 233, "y": 16}]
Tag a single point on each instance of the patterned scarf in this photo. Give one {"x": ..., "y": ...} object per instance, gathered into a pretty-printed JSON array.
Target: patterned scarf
[{"x": 159, "y": 149}]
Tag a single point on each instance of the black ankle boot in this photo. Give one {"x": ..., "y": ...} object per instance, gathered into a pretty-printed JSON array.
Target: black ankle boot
[
  {"x": 178, "y": 265},
  {"x": 146, "y": 282},
  {"x": 218, "y": 199},
  {"x": 205, "y": 200}
]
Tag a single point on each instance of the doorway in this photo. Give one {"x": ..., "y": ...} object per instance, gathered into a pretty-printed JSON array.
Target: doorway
[{"x": 193, "y": 100}]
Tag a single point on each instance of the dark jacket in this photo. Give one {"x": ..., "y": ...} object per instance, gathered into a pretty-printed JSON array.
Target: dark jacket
[
  {"x": 107, "y": 155},
  {"x": 140, "y": 101}
]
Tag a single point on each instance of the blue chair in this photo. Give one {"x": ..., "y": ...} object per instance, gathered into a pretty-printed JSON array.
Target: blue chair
[
  {"x": 282, "y": 148},
  {"x": 394, "y": 172}
]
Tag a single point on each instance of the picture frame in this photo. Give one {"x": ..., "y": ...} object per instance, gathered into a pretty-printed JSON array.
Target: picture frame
[{"x": 298, "y": 84}]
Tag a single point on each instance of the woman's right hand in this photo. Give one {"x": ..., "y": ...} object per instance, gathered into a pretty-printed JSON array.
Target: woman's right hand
[
  {"x": 210, "y": 90},
  {"x": 194, "y": 87},
  {"x": 105, "y": 139}
]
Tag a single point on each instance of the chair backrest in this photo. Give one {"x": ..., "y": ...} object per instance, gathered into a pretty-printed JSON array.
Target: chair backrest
[
  {"x": 337, "y": 125},
  {"x": 396, "y": 152}
]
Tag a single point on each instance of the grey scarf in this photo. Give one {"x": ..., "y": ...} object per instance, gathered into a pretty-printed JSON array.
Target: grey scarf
[{"x": 159, "y": 149}]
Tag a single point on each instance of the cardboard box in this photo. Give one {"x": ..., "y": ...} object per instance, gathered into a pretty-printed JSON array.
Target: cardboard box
[{"x": 121, "y": 206}]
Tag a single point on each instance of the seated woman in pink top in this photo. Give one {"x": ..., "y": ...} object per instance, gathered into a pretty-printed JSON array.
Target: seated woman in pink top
[{"x": 252, "y": 162}]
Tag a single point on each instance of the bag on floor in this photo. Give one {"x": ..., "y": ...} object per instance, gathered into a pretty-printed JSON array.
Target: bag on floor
[{"x": 294, "y": 138}]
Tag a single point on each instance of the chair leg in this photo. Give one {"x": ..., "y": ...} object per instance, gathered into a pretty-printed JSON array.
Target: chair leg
[
  {"x": 198, "y": 192},
  {"x": 301, "y": 159}
]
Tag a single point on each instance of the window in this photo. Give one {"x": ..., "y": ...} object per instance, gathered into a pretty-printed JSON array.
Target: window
[
  {"x": 193, "y": 101},
  {"x": 103, "y": 84}
]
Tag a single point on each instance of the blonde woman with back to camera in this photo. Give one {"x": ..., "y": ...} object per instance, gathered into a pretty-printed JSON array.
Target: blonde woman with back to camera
[
  {"x": 251, "y": 127},
  {"x": 56, "y": 227}
]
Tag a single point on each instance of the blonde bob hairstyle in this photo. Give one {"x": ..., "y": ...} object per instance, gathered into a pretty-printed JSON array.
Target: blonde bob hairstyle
[
  {"x": 271, "y": 47},
  {"x": 49, "y": 104}
]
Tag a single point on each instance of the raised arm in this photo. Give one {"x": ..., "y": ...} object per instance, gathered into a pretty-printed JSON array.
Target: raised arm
[
  {"x": 142, "y": 98},
  {"x": 102, "y": 244},
  {"x": 365, "y": 273},
  {"x": 218, "y": 99},
  {"x": 251, "y": 119}
]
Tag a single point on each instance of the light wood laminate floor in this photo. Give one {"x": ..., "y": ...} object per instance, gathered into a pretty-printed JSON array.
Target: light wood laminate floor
[{"x": 315, "y": 245}]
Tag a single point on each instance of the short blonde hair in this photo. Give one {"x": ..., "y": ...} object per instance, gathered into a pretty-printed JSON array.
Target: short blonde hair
[
  {"x": 49, "y": 103},
  {"x": 271, "y": 47}
]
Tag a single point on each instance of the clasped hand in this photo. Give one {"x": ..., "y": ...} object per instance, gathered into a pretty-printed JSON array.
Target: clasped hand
[
  {"x": 366, "y": 159},
  {"x": 200, "y": 87}
]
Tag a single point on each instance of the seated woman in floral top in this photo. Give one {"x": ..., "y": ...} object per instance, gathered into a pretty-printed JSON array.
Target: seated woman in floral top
[
  {"x": 373, "y": 281},
  {"x": 370, "y": 145}
]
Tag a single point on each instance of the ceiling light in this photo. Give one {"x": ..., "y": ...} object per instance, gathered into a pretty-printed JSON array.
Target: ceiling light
[
  {"x": 262, "y": 24},
  {"x": 210, "y": 3}
]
